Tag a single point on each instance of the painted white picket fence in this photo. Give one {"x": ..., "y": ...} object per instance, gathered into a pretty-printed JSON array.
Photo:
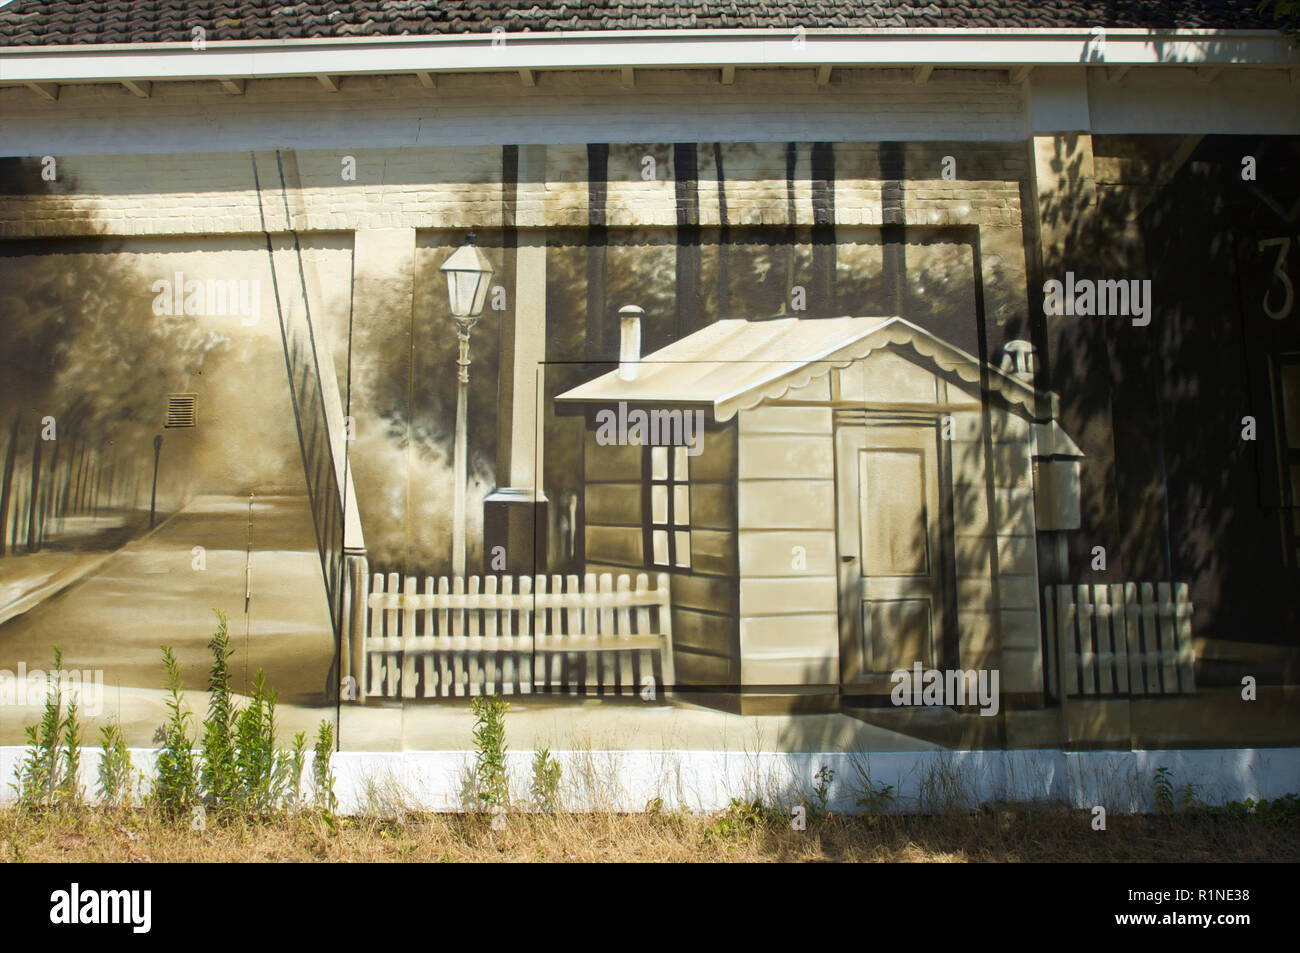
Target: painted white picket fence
[
  {"x": 585, "y": 635},
  {"x": 1120, "y": 639}
]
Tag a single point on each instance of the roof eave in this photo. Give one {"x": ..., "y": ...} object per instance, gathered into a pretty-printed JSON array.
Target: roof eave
[{"x": 645, "y": 49}]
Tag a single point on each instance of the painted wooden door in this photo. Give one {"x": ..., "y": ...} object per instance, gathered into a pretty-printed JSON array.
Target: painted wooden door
[{"x": 890, "y": 550}]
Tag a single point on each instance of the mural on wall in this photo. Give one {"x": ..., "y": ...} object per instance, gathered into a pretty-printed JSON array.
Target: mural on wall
[{"x": 908, "y": 483}]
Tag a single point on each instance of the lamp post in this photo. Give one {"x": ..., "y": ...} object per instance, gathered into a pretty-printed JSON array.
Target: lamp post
[
  {"x": 468, "y": 272},
  {"x": 153, "y": 495}
]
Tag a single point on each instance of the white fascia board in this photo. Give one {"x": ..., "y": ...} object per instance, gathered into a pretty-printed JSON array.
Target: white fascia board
[{"x": 648, "y": 49}]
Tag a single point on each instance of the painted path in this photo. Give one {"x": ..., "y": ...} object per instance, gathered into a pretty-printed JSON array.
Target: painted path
[{"x": 149, "y": 593}]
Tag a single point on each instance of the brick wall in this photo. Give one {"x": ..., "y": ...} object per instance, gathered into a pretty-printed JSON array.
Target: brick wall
[
  {"x": 462, "y": 187},
  {"x": 181, "y": 161}
]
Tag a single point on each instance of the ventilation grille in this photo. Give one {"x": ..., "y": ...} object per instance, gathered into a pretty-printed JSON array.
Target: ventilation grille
[{"x": 181, "y": 411}]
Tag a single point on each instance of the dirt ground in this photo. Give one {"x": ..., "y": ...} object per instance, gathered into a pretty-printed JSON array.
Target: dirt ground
[{"x": 739, "y": 834}]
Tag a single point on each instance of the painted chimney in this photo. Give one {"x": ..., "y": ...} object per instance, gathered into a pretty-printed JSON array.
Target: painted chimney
[
  {"x": 1018, "y": 360},
  {"x": 629, "y": 341}
]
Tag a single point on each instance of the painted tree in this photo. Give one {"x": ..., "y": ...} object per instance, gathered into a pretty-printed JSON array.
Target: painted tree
[{"x": 81, "y": 346}]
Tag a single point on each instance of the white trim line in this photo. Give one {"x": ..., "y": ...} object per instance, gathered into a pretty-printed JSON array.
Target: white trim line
[
  {"x": 671, "y": 49},
  {"x": 705, "y": 780}
]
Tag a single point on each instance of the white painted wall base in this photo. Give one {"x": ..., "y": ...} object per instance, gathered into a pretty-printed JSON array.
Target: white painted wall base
[{"x": 1120, "y": 781}]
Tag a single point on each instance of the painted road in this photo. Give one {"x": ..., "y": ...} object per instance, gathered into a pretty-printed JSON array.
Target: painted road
[{"x": 156, "y": 591}]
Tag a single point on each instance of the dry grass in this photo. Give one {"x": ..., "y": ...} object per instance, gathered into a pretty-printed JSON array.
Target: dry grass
[{"x": 1011, "y": 835}]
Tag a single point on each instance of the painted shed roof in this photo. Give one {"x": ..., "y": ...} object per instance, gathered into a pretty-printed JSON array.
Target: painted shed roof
[{"x": 736, "y": 364}]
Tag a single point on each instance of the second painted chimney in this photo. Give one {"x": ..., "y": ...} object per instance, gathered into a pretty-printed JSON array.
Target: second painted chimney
[
  {"x": 1018, "y": 360},
  {"x": 629, "y": 341}
]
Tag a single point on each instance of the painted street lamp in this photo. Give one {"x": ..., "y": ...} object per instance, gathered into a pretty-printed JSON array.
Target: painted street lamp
[
  {"x": 468, "y": 272},
  {"x": 153, "y": 495}
]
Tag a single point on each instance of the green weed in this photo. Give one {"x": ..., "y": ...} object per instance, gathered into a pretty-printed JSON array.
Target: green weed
[
  {"x": 177, "y": 783},
  {"x": 41, "y": 779},
  {"x": 740, "y": 821},
  {"x": 115, "y": 768},
  {"x": 322, "y": 774},
  {"x": 490, "y": 751},
  {"x": 546, "y": 781}
]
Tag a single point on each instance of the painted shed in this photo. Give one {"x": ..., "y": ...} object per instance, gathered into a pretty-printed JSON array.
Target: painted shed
[{"x": 865, "y": 496}]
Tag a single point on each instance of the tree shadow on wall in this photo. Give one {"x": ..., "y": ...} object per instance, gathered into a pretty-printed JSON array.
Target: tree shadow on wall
[{"x": 1170, "y": 488}]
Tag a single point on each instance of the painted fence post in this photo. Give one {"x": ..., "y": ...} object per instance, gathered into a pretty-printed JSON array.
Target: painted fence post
[
  {"x": 605, "y": 661},
  {"x": 572, "y": 626},
  {"x": 430, "y": 675},
  {"x": 1168, "y": 638},
  {"x": 626, "y": 685},
  {"x": 409, "y": 590},
  {"x": 474, "y": 662},
  {"x": 1067, "y": 641},
  {"x": 509, "y": 666},
  {"x": 1120, "y": 636},
  {"x": 1183, "y": 626},
  {"x": 1106, "y": 658},
  {"x": 352, "y": 652},
  {"x": 1084, "y": 614},
  {"x": 526, "y": 675},
  {"x": 459, "y": 659},
  {"x": 374, "y": 631},
  {"x": 590, "y": 666},
  {"x": 645, "y": 662},
  {"x": 1132, "y": 626},
  {"x": 1150, "y": 640},
  {"x": 666, "y": 625},
  {"x": 446, "y": 681}
]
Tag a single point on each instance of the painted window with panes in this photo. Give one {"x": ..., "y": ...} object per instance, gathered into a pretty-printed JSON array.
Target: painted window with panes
[{"x": 668, "y": 530}]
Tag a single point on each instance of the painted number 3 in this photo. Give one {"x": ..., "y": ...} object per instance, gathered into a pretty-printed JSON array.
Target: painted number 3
[{"x": 1279, "y": 273}]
